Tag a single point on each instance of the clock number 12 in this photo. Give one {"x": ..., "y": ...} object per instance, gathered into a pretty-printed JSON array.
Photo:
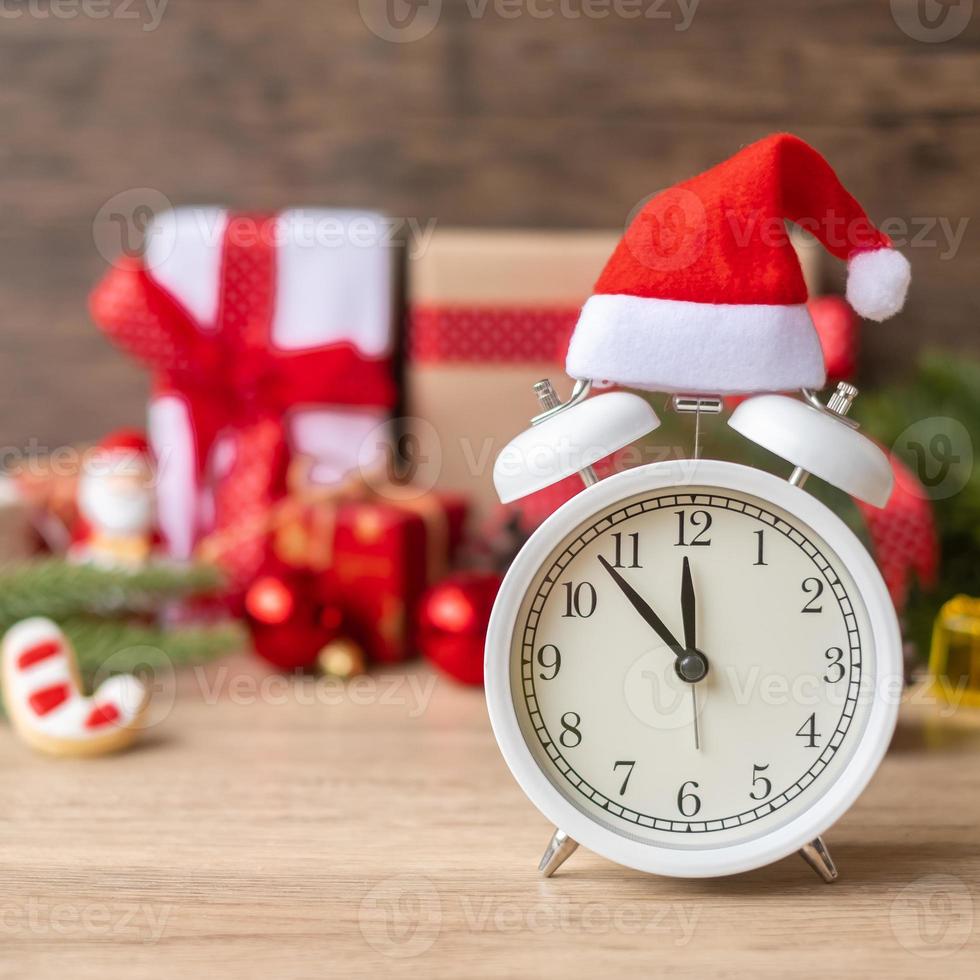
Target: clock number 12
[{"x": 700, "y": 524}]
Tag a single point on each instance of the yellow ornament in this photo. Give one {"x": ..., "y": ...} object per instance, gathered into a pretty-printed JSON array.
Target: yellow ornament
[
  {"x": 954, "y": 659},
  {"x": 292, "y": 543},
  {"x": 342, "y": 658}
]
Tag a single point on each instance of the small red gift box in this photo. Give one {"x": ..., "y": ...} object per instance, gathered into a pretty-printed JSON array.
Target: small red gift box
[{"x": 377, "y": 557}]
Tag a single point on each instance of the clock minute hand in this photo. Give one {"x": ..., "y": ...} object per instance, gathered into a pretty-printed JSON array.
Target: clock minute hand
[
  {"x": 689, "y": 614},
  {"x": 643, "y": 608}
]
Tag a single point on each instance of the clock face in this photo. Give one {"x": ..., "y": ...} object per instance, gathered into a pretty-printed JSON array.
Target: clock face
[{"x": 701, "y": 581}]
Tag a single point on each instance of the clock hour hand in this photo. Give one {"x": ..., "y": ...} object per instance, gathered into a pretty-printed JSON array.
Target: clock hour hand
[
  {"x": 643, "y": 608},
  {"x": 688, "y": 607},
  {"x": 692, "y": 664}
]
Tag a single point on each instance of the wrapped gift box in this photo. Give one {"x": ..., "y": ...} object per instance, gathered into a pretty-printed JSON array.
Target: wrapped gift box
[
  {"x": 266, "y": 335},
  {"x": 491, "y": 313},
  {"x": 16, "y": 535},
  {"x": 48, "y": 486},
  {"x": 377, "y": 558}
]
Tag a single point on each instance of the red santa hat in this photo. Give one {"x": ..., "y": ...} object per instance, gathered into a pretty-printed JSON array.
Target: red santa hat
[
  {"x": 127, "y": 449},
  {"x": 131, "y": 441},
  {"x": 704, "y": 292}
]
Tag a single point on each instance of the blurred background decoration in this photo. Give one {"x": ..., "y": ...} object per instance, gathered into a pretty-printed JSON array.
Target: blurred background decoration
[
  {"x": 545, "y": 122},
  {"x": 930, "y": 419},
  {"x": 506, "y": 147}
]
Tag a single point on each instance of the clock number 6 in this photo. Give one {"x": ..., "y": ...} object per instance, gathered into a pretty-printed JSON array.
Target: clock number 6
[
  {"x": 570, "y": 736},
  {"x": 688, "y": 803}
]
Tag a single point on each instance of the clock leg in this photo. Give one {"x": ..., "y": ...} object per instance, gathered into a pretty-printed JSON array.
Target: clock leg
[
  {"x": 560, "y": 848},
  {"x": 818, "y": 857}
]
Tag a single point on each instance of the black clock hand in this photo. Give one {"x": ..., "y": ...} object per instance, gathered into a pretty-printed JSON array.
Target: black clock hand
[
  {"x": 688, "y": 607},
  {"x": 689, "y": 612},
  {"x": 692, "y": 664},
  {"x": 643, "y": 608}
]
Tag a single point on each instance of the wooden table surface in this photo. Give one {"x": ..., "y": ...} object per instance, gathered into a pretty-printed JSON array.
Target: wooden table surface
[{"x": 273, "y": 828}]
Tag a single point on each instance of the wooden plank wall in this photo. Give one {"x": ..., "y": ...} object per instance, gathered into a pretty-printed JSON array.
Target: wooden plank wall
[{"x": 497, "y": 120}]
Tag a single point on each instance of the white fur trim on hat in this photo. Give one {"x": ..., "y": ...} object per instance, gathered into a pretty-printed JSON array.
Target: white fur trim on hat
[
  {"x": 877, "y": 282},
  {"x": 675, "y": 345}
]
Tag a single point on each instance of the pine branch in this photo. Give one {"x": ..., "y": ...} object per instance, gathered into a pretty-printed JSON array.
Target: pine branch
[
  {"x": 60, "y": 590},
  {"x": 944, "y": 386},
  {"x": 112, "y": 646}
]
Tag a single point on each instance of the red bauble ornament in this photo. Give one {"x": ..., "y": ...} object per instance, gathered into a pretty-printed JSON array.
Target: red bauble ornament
[
  {"x": 903, "y": 536},
  {"x": 270, "y": 600},
  {"x": 453, "y": 618},
  {"x": 838, "y": 329},
  {"x": 288, "y": 620}
]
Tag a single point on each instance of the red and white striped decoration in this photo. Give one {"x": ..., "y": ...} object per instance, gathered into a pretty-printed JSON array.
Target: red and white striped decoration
[{"x": 45, "y": 703}]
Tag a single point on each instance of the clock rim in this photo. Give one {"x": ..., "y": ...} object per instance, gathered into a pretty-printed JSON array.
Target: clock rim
[{"x": 722, "y": 859}]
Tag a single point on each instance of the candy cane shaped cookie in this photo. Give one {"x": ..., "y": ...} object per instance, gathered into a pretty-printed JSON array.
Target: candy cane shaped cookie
[{"x": 42, "y": 694}]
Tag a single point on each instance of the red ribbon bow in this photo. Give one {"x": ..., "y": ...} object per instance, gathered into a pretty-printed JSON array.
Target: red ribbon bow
[{"x": 232, "y": 378}]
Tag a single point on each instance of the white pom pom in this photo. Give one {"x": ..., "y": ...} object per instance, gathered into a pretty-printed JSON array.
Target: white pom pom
[{"x": 877, "y": 282}]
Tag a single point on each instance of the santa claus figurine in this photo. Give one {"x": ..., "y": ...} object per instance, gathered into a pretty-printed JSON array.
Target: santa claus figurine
[{"x": 115, "y": 503}]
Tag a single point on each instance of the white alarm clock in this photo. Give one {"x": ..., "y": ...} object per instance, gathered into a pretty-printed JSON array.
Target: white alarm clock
[{"x": 693, "y": 667}]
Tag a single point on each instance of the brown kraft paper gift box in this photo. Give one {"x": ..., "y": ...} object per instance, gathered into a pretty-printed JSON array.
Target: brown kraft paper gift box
[{"x": 490, "y": 314}]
